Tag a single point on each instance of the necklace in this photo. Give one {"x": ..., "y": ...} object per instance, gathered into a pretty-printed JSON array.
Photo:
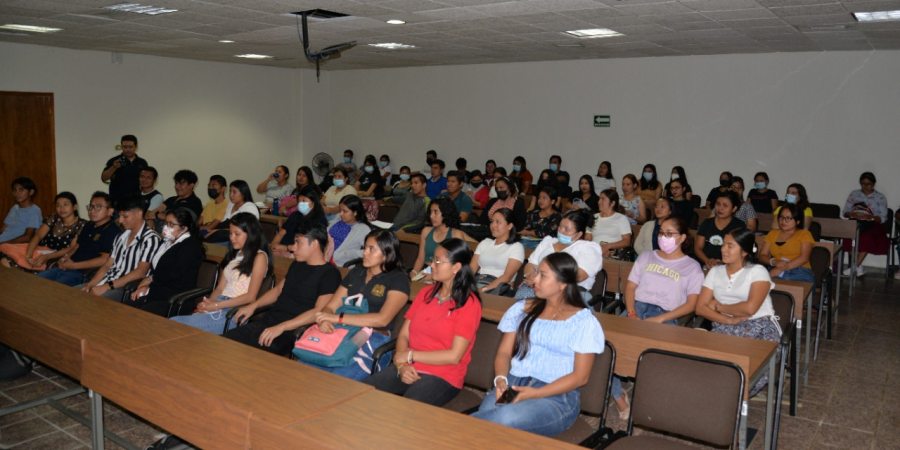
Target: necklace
[{"x": 442, "y": 298}]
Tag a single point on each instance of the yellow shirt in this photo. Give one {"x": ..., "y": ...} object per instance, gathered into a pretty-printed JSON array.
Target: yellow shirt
[
  {"x": 807, "y": 212},
  {"x": 213, "y": 211},
  {"x": 791, "y": 248}
]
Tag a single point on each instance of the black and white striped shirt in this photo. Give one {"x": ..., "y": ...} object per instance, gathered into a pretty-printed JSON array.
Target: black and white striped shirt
[{"x": 127, "y": 256}]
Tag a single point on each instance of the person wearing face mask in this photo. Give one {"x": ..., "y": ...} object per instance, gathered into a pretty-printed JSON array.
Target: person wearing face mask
[
  {"x": 568, "y": 239},
  {"x": 679, "y": 174},
  {"x": 370, "y": 183},
  {"x": 662, "y": 287},
  {"x": 385, "y": 169},
  {"x": 174, "y": 266},
  {"x": 507, "y": 197},
  {"x": 309, "y": 211},
  {"x": 651, "y": 188},
  {"x": 555, "y": 164},
  {"x": 724, "y": 186},
  {"x": 214, "y": 210},
  {"x": 520, "y": 175},
  {"x": 763, "y": 199},
  {"x": 338, "y": 190},
  {"x": 647, "y": 238},
  {"x": 477, "y": 189},
  {"x": 402, "y": 185},
  {"x": 796, "y": 195},
  {"x": 349, "y": 166}
]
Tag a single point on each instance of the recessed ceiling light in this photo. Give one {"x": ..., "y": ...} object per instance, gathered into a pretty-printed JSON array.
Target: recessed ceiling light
[
  {"x": 140, "y": 9},
  {"x": 392, "y": 46},
  {"x": 395, "y": 22},
  {"x": 226, "y": 41},
  {"x": 253, "y": 56},
  {"x": 591, "y": 33},
  {"x": 877, "y": 16},
  {"x": 31, "y": 28}
]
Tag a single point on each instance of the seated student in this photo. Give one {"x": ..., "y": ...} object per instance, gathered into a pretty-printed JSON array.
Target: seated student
[
  {"x": 461, "y": 167},
  {"x": 604, "y": 179},
  {"x": 680, "y": 205},
  {"x": 546, "y": 354},
  {"x": 434, "y": 347},
  {"x": 309, "y": 210},
  {"x": 383, "y": 283},
  {"x": 489, "y": 167},
  {"x": 131, "y": 252},
  {"x": 555, "y": 164},
  {"x": 402, "y": 185},
  {"x": 763, "y": 199},
  {"x": 562, "y": 184},
  {"x": 711, "y": 233},
  {"x": 497, "y": 259},
  {"x": 275, "y": 185},
  {"x": 662, "y": 286},
  {"x": 796, "y": 195},
  {"x": 370, "y": 183},
  {"x": 651, "y": 188},
  {"x": 724, "y": 186},
  {"x": 24, "y": 218},
  {"x": 735, "y": 294},
  {"x": 787, "y": 247},
  {"x": 240, "y": 200},
  {"x": 454, "y": 192},
  {"x": 444, "y": 225},
  {"x": 611, "y": 228},
  {"x": 414, "y": 209},
  {"x": 585, "y": 197},
  {"x": 568, "y": 239},
  {"x": 385, "y": 169},
  {"x": 174, "y": 267},
  {"x": 869, "y": 208},
  {"x": 507, "y": 197},
  {"x": 481, "y": 189},
  {"x": 679, "y": 174},
  {"x": 430, "y": 158},
  {"x": 214, "y": 210},
  {"x": 242, "y": 272},
  {"x": 92, "y": 248},
  {"x": 544, "y": 219},
  {"x": 347, "y": 236},
  {"x": 632, "y": 205},
  {"x": 51, "y": 241},
  {"x": 520, "y": 175},
  {"x": 745, "y": 212},
  {"x": 437, "y": 183},
  {"x": 184, "y": 197},
  {"x": 648, "y": 238},
  {"x": 546, "y": 179},
  {"x": 338, "y": 190},
  {"x": 305, "y": 289},
  {"x": 349, "y": 167},
  {"x": 153, "y": 199},
  {"x": 303, "y": 179},
  {"x": 469, "y": 186}
]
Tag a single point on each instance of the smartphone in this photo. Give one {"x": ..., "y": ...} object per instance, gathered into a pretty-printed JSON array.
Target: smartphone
[{"x": 508, "y": 396}]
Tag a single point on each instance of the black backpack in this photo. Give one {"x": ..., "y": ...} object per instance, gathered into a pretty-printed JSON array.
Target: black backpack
[{"x": 13, "y": 364}]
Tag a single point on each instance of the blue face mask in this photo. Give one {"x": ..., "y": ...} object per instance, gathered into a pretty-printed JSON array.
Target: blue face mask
[
  {"x": 760, "y": 185},
  {"x": 348, "y": 160},
  {"x": 791, "y": 198},
  {"x": 369, "y": 169},
  {"x": 648, "y": 176},
  {"x": 404, "y": 176},
  {"x": 304, "y": 208},
  {"x": 382, "y": 164},
  {"x": 563, "y": 239},
  {"x": 517, "y": 167},
  {"x": 339, "y": 183},
  {"x": 554, "y": 167}
]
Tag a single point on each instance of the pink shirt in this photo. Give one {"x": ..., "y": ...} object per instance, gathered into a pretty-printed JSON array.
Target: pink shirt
[{"x": 665, "y": 283}]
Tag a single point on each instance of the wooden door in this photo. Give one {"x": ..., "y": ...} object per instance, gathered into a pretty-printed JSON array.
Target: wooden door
[{"x": 27, "y": 146}]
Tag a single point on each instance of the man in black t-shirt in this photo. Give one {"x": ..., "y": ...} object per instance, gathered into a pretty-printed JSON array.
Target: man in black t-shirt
[
  {"x": 123, "y": 172},
  {"x": 184, "y": 197},
  {"x": 307, "y": 287}
]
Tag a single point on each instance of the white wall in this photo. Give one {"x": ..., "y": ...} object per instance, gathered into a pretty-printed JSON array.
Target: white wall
[{"x": 234, "y": 119}]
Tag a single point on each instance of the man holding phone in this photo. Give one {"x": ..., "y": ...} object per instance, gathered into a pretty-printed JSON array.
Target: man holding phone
[{"x": 123, "y": 171}]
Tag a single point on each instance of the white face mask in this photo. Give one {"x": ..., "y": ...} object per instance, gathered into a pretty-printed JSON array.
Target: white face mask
[{"x": 168, "y": 233}]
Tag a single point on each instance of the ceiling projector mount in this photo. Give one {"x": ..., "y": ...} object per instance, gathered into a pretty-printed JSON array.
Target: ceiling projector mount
[{"x": 330, "y": 52}]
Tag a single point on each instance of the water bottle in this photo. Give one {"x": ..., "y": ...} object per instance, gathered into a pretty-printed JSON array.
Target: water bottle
[{"x": 275, "y": 207}]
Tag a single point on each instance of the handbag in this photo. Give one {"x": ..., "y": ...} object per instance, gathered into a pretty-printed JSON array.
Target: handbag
[{"x": 335, "y": 349}]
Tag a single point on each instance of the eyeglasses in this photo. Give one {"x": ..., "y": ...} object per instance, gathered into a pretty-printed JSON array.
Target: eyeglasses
[
  {"x": 438, "y": 262},
  {"x": 785, "y": 218},
  {"x": 173, "y": 224},
  {"x": 669, "y": 234},
  {"x": 96, "y": 207}
]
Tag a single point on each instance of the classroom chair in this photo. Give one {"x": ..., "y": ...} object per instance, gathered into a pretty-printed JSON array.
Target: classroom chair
[
  {"x": 480, "y": 374},
  {"x": 594, "y": 399}
]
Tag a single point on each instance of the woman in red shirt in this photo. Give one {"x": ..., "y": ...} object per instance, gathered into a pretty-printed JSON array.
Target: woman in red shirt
[{"x": 434, "y": 346}]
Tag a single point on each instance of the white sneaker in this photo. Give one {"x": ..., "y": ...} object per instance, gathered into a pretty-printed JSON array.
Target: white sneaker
[
  {"x": 860, "y": 272},
  {"x": 847, "y": 271}
]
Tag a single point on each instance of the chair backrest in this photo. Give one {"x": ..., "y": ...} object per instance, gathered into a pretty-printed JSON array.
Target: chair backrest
[
  {"x": 480, "y": 373},
  {"x": 269, "y": 230},
  {"x": 815, "y": 229},
  {"x": 387, "y": 212},
  {"x": 208, "y": 274},
  {"x": 408, "y": 254},
  {"x": 825, "y": 210},
  {"x": 397, "y": 321},
  {"x": 595, "y": 394},
  {"x": 820, "y": 260},
  {"x": 268, "y": 283},
  {"x": 698, "y": 398},
  {"x": 599, "y": 287},
  {"x": 783, "y": 303}
]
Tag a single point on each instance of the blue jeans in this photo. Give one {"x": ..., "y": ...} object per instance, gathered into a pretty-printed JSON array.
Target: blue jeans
[
  {"x": 67, "y": 277},
  {"x": 548, "y": 416},
  {"x": 643, "y": 311},
  {"x": 211, "y": 322},
  {"x": 798, "y": 274}
]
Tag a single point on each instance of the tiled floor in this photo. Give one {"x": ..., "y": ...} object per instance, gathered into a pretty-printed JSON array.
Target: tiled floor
[{"x": 852, "y": 400}]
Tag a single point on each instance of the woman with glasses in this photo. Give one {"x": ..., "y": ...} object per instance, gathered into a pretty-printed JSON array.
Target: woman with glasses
[{"x": 787, "y": 247}]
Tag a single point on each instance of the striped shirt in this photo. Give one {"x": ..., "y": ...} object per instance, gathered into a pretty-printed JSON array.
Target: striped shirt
[{"x": 126, "y": 256}]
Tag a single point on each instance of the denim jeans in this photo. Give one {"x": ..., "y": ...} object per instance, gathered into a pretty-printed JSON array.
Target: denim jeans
[
  {"x": 548, "y": 416},
  {"x": 798, "y": 274},
  {"x": 211, "y": 322},
  {"x": 643, "y": 311},
  {"x": 67, "y": 277}
]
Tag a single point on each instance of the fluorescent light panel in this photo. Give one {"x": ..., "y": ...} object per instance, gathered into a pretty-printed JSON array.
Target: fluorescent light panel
[
  {"x": 591, "y": 33},
  {"x": 395, "y": 22},
  {"x": 226, "y": 41},
  {"x": 877, "y": 16},
  {"x": 31, "y": 28},
  {"x": 253, "y": 56},
  {"x": 141, "y": 9},
  {"x": 392, "y": 46}
]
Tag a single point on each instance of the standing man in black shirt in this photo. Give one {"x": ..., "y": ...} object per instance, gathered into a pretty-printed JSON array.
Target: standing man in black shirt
[{"x": 123, "y": 172}]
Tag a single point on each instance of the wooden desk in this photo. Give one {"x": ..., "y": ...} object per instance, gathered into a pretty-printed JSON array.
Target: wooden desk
[
  {"x": 381, "y": 420},
  {"x": 271, "y": 218},
  {"x": 836, "y": 229}
]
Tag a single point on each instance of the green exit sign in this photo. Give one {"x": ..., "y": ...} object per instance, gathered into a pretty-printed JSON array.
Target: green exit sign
[{"x": 601, "y": 121}]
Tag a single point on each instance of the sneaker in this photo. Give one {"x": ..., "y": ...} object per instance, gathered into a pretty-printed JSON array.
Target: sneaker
[
  {"x": 847, "y": 271},
  {"x": 624, "y": 413},
  {"x": 860, "y": 272}
]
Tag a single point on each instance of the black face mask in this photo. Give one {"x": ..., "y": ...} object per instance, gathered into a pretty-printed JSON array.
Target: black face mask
[
  {"x": 502, "y": 195},
  {"x": 476, "y": 183},
  {"x": 213, "y": 193},
  {"x": 724, "y": 182}
]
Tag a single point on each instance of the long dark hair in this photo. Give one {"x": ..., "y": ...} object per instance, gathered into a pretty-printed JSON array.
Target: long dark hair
[
  {"x": 244, "y": 189},
  {"x": 188, "y": 219},
  {"x": 802, "y": 198},
  {"x": 317, "y": 213},
  {"x": 609, "y": 174},
  {"x": 654, "y": 182},
  {"x": 256, "y": 241},
  {"x": 458, "y": 251},
  {"x": 355, "y": 205},
  {"x": 590, "y": 180},
  {"x": 389, "y": 245},
  {"x": 613, "y": 196},
  {"x": 565, "y": 268},
  {"x": 551, "y": 192},
  {"x": 795, "y": 211},
  {"x": 581, "y": 218},
  {"x": 508, "y": 217},
  {"x": 746, "y": 239},
  {"x": 309, "y": 178}
]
